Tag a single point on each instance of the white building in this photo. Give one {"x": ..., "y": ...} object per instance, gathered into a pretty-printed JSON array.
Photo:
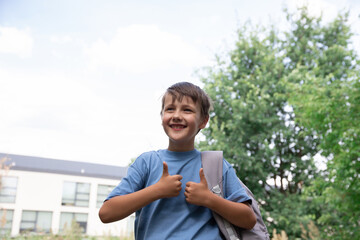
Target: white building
[{"x": 46, "y": 195}]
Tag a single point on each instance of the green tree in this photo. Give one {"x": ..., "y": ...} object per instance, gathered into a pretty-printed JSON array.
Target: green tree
[
  {"x": 256, "y": 94},
  {"x": 253, "y": 124},
  {"x": 328, "y": 105}
]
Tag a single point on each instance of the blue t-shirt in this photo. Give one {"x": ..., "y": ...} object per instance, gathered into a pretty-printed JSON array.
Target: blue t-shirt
[{"x": 174, "y": 218}]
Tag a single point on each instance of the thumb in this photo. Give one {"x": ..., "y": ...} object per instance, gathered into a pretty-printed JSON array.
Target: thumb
[
  {"x": 165, "y": 169},
  {"x": 202, "y": 176}
]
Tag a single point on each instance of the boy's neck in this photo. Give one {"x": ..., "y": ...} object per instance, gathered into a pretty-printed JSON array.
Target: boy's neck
[{"x": 180, "y": 147}]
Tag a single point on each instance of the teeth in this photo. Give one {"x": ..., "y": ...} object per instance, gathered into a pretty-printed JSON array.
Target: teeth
[{"x": 177, "y": 126}]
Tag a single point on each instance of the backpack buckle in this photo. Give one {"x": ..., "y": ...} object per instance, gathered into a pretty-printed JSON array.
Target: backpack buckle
[{"x": 216, "y": 190}]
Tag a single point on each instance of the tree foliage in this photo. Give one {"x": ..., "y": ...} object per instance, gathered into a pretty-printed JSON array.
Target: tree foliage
[
  {"x": 328, "y": 104},
  {"x": 279, "y": 99}
]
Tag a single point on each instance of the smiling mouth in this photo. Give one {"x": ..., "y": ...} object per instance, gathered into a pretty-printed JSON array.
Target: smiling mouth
[{"x": 177, "y": 127}]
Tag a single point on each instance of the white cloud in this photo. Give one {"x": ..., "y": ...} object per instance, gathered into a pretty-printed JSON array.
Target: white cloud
[
  {"x": 140, "y": 48},
  {"x": 52, "y": 114},
  {"x": 328, "y": 9},
  {"x": 61, "y": 39},
  {"x": 15, "y": 41},
  {"x": 26, "y": 98}
]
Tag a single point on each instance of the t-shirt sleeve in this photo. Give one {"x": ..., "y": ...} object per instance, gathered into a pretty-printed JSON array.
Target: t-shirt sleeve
[
  {"x": 134, "y": 180},
  {"x": 232, "y": 188}
]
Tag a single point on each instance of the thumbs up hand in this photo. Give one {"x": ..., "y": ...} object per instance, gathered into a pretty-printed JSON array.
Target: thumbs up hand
[
  {"x": 198, "y": 193},
  {"x": 168, "y": 185}
]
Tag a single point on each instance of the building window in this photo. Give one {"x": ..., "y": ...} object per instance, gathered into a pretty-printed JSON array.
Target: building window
[
  {"x": 130, "y": 225},
  {"x": 76, "y": 194},
  {"x": 6, "y": 217},
  {"x": 35, "y": 221},
  {"x": 67, "y": 220},
  {"x": 102, "y": 193},
  {"x": 8, "y": 187}
]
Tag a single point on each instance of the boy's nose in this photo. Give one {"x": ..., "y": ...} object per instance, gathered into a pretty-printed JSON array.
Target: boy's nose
[{"x": 177, "y": 115}]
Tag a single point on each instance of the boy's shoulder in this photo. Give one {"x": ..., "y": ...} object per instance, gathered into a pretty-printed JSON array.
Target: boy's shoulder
[
  {"x": 227, "y": 164},
  {"x": 148, "y": 156}
]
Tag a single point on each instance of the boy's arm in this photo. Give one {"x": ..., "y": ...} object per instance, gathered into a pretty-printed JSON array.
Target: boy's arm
[
  {"x": 120, "y": 207},
  {"x": 239, "y": 214}
]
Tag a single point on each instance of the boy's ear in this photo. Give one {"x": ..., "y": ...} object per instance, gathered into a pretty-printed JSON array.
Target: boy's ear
[{"x": 204, "y": 122}]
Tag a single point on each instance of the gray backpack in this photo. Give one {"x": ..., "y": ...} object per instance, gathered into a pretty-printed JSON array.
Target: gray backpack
[{"x": 212, "y": 163}]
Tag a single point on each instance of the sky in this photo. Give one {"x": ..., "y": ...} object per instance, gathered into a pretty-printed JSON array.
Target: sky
[{"x": 82, "y": 80}]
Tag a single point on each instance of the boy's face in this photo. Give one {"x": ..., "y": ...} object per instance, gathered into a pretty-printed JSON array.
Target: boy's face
[{"x": 181, "y": 122}]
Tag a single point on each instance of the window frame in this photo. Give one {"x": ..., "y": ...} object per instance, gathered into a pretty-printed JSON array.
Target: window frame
[
  {"x": 100, "y": 197},
  {"x": 7, "y": 227},
  {"x": 82, "y": 224},
  {"x": 76, "y": 195},
  {"x": 3, "y": 188},
  {"x": 35, "y": 222}
]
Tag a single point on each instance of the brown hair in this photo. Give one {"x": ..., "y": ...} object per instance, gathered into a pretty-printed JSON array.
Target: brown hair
[{"x": 181, "y": 89}]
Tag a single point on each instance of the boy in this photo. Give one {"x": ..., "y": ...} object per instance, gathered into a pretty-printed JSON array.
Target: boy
[{"x": 167, "y": 188}]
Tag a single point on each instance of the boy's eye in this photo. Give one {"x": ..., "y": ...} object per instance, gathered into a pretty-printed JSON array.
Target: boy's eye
[
  {"x": 169, "y": 109},
  {"x": 188, "y": 110}
]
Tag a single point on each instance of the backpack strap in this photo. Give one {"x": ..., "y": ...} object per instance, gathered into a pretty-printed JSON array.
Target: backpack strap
[
  {"x": 212, "y": 163},
  {"x": 213, "y": 170}
]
